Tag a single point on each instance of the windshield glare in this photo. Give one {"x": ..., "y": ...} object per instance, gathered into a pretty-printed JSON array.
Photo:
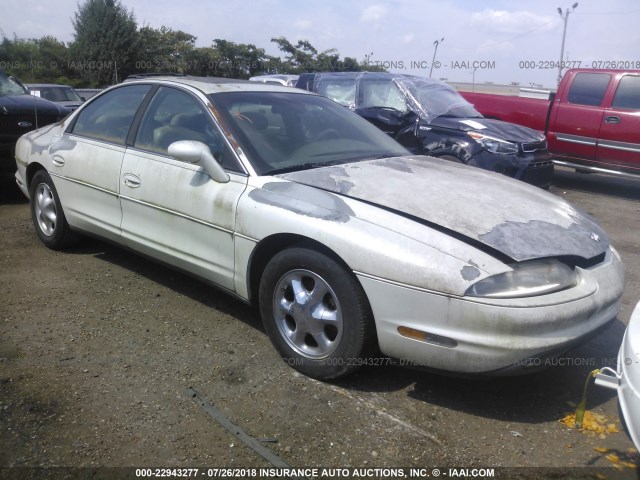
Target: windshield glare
[
  {"x": 282, "y": 132},
  {"x": 10, "y": 86}
]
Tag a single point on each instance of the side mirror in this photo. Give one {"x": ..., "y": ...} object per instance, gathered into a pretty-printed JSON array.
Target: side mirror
[{"x": 191, "y": 151}]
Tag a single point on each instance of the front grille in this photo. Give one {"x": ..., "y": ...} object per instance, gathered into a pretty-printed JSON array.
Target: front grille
[
  {"x": 541, "y": 164},
  {"x": 539, "y": 173},
  {"x": 9, "y": 123},
  {"x": 534, "y": 146},
  {"x": 575, "y": 261}
]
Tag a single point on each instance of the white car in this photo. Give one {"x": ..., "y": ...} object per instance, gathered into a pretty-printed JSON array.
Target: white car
[
  {"x": 349, "y": 245},
  {"x": 276, "y": 79},
  {"x": 626, "y": 379}
]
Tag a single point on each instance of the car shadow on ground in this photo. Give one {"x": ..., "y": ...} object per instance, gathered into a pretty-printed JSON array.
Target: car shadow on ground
[
  {"x": 172, "y": 279},
  {"x": 534, "y": 398},
  {"x": 538, "y": 397},
  {"x": 596, "y": 183}
]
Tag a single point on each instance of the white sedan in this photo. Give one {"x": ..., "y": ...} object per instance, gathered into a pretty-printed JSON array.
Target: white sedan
[
  {"x": 626, "y": 379},
  {"x": 349, "y": 245}
]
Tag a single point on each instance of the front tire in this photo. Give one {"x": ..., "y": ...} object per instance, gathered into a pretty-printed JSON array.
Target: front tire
[
  {"x": 315, "y": 313},
  {"x": 47, "y": 214}
]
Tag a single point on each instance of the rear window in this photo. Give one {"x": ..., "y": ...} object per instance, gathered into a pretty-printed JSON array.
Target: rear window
[
  {"x": 589, "y": 88},
  {"x": 628, "y": 93}
]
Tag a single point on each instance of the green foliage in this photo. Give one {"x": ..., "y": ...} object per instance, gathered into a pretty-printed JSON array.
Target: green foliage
[
  {"x": 105, "y": 44},
  {"x": 108, "y": 46},
  {"x": 164, "y": 50},
  {"x": 304, "y": 57},
  {"x": 43, "y": 60},
  {"x": 235, "y": 60}
]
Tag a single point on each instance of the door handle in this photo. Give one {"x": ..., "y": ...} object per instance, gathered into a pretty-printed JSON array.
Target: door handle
[
  {"x": 612, "y": 119},
  {"x": 57, "y": 160},
  {"x": 130, "y": 180}
]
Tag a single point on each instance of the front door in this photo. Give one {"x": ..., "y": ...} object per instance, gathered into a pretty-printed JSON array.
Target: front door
[{"x": 172, "y": 210}]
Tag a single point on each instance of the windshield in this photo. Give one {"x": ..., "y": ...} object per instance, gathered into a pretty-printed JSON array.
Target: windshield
[
  {"x": 11, "y": 86},
  {"x": 426, "y": 97},
  {"x": 56, "y": 94},
  {"x": 284, "y": 132},
  {"x": 432, "y": 98}
]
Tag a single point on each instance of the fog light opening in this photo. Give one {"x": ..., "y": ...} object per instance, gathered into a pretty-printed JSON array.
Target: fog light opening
[{"x": 427, "y": 337}]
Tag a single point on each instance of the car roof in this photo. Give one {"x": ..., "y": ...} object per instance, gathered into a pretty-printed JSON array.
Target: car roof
[
  {"x": 48, "y": 85},
  {"x": 209, "y": 85}
]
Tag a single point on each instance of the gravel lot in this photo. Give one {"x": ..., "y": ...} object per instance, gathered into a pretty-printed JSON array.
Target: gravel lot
[{"x": 98, "y": 347}]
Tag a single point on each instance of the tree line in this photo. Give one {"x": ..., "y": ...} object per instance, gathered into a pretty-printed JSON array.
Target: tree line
[{"x": 108, "y": 46}]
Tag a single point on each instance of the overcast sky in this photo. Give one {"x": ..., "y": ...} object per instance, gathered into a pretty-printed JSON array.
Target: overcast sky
[{"x": 496, "y": 36}]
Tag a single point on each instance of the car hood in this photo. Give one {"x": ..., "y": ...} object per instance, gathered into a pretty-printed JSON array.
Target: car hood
[
  {"x": 25, "y": 104},
  {"x": 492, "y": 128},
  {"x": 519, "y": 221}
]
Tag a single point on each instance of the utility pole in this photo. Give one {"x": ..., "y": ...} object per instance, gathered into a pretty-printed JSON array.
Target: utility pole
[
  {"x": 435, "y": 44},
  {"x": 565, "y": 17},
  {"x": 368, "y": 57},
  {"x": 474, "y": 79}
]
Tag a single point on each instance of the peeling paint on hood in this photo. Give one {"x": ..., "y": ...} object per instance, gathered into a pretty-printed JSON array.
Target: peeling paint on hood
[{"x": 520, "y": 221}]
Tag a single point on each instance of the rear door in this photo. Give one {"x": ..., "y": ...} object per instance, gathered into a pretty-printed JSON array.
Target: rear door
[
  {"x": 172, "y": 210},
  {"x": 578, "y": 116},
  {"x": 619, "y": 144},
  {"x": 87, "y": 160}
]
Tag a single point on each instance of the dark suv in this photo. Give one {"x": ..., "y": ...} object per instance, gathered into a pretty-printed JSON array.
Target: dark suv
[
  {"x": 431, "y": 118},
  {"x": 20, "y": 113}
]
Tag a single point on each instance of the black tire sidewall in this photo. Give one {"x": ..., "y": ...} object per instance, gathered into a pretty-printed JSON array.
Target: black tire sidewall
[{"x": 356, "y": 313}]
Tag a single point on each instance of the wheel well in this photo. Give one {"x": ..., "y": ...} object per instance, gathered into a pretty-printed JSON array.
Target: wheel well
[
  {"x": 274, "y": 244},
  {"x": 32, "y": 168}
]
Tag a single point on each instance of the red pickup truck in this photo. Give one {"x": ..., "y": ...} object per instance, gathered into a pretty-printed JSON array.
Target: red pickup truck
[{"x": 591, "y": 123}]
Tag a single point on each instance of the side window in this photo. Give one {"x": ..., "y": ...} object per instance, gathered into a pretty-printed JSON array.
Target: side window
[
  {"x": 588, "y": 88},
  {"x": 109, "y": 117},
  {"x": 175, "y": 115},
  {"x": 628, "y": 93}
]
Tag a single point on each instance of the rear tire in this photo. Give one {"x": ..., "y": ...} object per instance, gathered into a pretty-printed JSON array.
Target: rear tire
[
  {"x": 315, "y": 313},
  {"x": 47, "y": 214}
]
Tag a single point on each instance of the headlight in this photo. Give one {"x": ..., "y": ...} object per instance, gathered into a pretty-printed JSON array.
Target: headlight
[
  {"x": 494, "y": 145},
  {"x": 527, "y": 279}
]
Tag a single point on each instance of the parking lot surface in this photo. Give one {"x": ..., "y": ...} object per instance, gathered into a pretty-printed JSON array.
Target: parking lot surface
[{"x": 98, "y": 347}]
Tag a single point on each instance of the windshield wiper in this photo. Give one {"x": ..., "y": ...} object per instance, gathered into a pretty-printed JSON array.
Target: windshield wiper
[
  {"x": 304, "y": 166},
  {"x": 329, "y": 163}
]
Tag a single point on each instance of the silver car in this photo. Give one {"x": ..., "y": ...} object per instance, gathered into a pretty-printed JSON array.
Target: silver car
[
  {"x": 626, "y": 378},
  {"x": 350, "y": 247}
]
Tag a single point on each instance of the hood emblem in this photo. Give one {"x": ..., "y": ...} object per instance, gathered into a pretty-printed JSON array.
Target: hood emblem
[
  {"x": 595, "y": 237},
  {"x": 5, "y": 110}
]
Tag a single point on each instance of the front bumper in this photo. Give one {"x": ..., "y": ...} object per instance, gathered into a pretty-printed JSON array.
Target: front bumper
[
  {"x": 474, "y": 335},
  {"x": 21, "y": 178},
  {"x": 535, "y": 168}
]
